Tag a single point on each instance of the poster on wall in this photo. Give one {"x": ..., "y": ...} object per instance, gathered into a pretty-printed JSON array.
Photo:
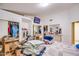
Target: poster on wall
[
  {"x": 37, "y": 20},
  {"x": 13, "y": 29}
]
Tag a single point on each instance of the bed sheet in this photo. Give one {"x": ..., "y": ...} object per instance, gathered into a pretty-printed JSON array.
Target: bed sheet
[
  {"x": 60, "y": 49},
  {"x": 55, "y": 49}
]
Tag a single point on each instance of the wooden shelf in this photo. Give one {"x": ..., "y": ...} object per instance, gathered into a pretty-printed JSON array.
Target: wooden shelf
[
  {"x": 9, "y": 46},
  {"x": 8, "y": 41}
]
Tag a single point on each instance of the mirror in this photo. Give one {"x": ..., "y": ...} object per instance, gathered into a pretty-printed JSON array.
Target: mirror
[
  {"x": 56, "y": 31},
  {"x": 37, "y": 31}
]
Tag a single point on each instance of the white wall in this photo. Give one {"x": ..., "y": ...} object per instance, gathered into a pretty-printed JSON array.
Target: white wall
[
  {"x": 65, "y": 19},
  {"x": 25, "y": 25},
  {"x": 3, "y": 28},
  {"x": 8, "y": 16}
]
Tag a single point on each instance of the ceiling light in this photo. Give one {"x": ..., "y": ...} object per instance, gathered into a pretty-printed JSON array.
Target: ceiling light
[{"x": 44, "y": 4}]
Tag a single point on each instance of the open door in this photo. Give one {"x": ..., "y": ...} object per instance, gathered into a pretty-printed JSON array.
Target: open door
[
  {"x": 75, "y": 32},
  {"x": 37, "y": 32}
]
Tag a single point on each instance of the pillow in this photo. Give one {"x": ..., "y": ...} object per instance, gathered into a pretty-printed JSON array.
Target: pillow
[
  {"x": 36, "y": 42},
  {"x": 77, "y": 46}
]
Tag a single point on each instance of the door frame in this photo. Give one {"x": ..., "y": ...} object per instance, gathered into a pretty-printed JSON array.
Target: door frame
[{"x": 73, "y": 29}]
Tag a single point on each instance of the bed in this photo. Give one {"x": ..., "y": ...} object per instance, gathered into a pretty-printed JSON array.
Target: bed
[
  {"x": 55, "y": 49},
  {"x": 61, "y": 49}
]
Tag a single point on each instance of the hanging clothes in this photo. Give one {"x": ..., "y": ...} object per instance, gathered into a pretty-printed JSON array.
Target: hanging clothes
[
  {"x": 39, "y": 31},
  {"x": 14, "y": 30},
  {"x": 9, "y": 28}
]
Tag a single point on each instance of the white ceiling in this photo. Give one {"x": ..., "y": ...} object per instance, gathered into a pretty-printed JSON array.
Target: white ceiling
[{"x": 34, "y": 9}]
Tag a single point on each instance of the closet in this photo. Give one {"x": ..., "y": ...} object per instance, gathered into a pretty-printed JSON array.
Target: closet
[
  {"x": 9, "y": 28},
  {"x": 13, "y": 29},
  {"x": 9, "y": 38}
]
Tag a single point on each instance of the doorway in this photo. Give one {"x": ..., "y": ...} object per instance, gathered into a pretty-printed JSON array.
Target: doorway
[
  {"x": 75, "y": 32},
  {"x": 37, "y": 32}
]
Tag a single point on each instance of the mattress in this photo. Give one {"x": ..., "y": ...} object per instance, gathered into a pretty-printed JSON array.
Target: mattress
[
  {"x": 34, "y": 42},
  {"x": 60, "y": 49},
  {"x": 53, "y": 50},
  {"x": 70, "y": 51}
]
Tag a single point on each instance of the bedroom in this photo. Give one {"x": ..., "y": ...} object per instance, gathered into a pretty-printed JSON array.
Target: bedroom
[{"x": 36, "y": 29}]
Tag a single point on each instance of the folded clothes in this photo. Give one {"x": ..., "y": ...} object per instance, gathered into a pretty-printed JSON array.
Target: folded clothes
[{"x": 33, "y": 49}]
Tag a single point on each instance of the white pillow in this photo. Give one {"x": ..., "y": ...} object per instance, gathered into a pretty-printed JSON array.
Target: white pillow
[{"x": 36, "y": 42}]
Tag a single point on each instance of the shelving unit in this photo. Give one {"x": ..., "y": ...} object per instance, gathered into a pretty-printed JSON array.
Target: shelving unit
[{"x": 9, "y": 47}]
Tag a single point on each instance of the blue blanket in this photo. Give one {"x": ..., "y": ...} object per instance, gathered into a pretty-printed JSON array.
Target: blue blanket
[{"x": 49, "y": 38}]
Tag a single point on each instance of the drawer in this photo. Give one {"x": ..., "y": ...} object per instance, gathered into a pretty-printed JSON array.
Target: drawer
[
  {"x": 7, "y": 47},
  {"x": 18, "y": 52}
]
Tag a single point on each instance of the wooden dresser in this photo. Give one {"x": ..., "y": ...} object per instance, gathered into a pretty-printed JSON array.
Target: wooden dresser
[{"x": 10, "y": 47}]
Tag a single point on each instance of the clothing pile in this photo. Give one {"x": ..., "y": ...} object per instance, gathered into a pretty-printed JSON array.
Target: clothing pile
[{"x": 33, "y": 47}]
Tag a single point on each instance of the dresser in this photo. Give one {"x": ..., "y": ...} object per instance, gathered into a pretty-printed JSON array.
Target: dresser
[{"x": 10, "y": 47}]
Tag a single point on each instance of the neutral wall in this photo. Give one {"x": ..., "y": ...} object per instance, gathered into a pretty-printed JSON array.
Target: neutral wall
[
  {"x": 3, "y": 28},
  {"x": 65, "y": 19},
  {"x": 8, "y": 16}
]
